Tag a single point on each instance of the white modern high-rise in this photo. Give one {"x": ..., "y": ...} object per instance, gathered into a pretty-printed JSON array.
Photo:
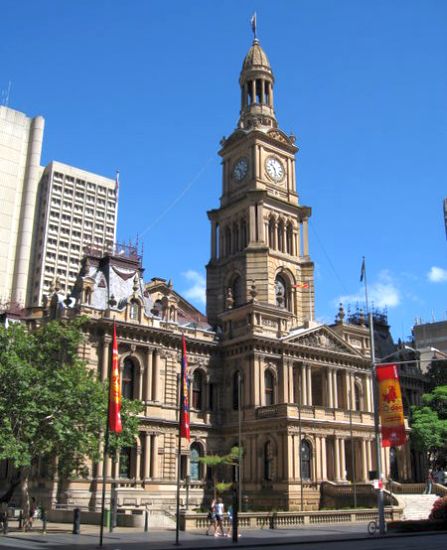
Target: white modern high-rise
[
  {"x": 77, "y": 209},
  {"x": 20, "y": 150},
  {"x": 47, "y": 215}
]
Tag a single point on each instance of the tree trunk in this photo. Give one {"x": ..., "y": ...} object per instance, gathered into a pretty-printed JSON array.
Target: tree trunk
[{"x": 24, "y": 494}]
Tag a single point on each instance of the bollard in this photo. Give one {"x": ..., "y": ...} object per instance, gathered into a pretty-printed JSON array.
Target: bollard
[
  {"x": 20, "y": 519},
  {"x": 76, "y": 521},
  {"x": 146, "y": 521},
  {"x": 43, "y": 516}
]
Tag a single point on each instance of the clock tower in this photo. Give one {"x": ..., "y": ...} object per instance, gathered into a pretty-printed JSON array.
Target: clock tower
[{"x": 259, "y": 234}]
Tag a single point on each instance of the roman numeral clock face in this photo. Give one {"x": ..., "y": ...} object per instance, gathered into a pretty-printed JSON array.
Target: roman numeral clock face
[
  {"x": 240, "y": 169},
  {"x": 275, "y": 169}
]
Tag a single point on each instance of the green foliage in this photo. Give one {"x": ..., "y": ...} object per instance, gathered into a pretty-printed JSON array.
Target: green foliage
[
  {"x": 217, "y": 463},
  {"x": 429, "y": 425},
  {"x": 51, "y": 404},
  {"x": 437, "y": 373},
  {"x": 223, "y": 486},
  {"x": 129, "y": 420}
]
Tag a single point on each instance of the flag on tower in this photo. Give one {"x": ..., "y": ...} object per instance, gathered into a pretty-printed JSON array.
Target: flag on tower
[
  {"x": 253, "y": 24},
  {"x": 301, "y": 285},
  {"x": 363, "y": 270},
  {"x": 115, "y": 390},
  {"x": 184, "y": 401}
]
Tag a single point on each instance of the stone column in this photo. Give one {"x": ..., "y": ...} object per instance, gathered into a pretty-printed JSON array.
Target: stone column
[
  {"x": 368, "y": 396},
  {"x": 317, "y": 474},
  {"x": 364, "y": 461},
  {"x": 330, "y": 386},
  {"x": 343, "y": 459},
  {"x": 334, "y": 374},
  {"x": 253, "y": 90},
  {"x": 369, "y": 458},
  {"x": 138, "y": 463},
  {"x": 147, "y": 392},
  {"x": 309, "y": 384},
  {"x": 140, "y": 382},
  {"x": 303, "y": 389},
  {"x": 252, "y": 223},
  {"x": 262, "y": 91},
  {"x": 213, "y": 240},
  {"x": 323, "y": 459},
  {"x": 156, "y": 377},
  {"x": 261, "y": 236},
  {"x": 284, "y": 382},
  {"x": 337, "y": 458},
  {"x": 154, "y": 457},
  {"x": 347, "y": 390},
  {"x": 147, "y": 456},
  {"x": 306, "y": 237},
  {"x": 105, "y": 358},
  {"x": 261, "y": 382}
]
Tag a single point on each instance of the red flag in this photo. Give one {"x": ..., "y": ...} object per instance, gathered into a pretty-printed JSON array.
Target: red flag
[
  {"x": 390, "y": 406},
  {"x": 301, "y": 285},
  {"x": 115, "y": 390},
  {"x": 184, "y": 401}
]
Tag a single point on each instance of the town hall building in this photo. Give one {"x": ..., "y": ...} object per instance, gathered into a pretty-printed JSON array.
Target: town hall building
[{"x": 295, "y": 393}]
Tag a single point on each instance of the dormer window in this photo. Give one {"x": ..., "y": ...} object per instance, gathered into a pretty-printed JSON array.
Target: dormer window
[{"x": 134, "y": 311}]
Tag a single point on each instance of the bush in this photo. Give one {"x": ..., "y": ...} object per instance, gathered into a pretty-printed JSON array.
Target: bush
[{"x": 439, "y": 510}]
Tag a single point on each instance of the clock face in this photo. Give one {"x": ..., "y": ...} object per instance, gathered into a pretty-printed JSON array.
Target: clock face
[
  {"x": 240, "y": 169},
  {"x": 275, "y": 169}
]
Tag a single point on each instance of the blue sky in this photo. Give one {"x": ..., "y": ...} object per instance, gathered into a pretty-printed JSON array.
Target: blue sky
[{"x": 150, "y": 88}]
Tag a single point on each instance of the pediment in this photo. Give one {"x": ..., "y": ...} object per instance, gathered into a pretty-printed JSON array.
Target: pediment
[{"x": 321, "y": 337}]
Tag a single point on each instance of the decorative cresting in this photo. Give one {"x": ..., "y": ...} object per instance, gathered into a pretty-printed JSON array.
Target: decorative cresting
[{"x": 256, "y": 81}]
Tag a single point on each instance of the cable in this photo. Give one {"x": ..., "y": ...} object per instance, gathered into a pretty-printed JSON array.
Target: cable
[{"x": 178, "y": 198}]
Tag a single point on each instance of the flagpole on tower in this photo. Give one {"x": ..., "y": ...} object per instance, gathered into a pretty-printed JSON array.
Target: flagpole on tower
[
  {"x": 380, "y": 500},
  {"x": 113, "y": 420}
]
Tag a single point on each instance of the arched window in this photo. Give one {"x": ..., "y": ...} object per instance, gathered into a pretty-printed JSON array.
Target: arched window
[
  {"x": 282, "y": 293},
  {"x": 236, "y": 288},
  {"x": 195, "y": 466},
  {"x": 280, "y": 239},
  {"x": 244, "y": 240},
  {"x": 268, "y": 461},
  {"x": 236, "y": 390},
  {"x": 357, "y": 398},
  {"x": 272, "y": 233},
  {"x": 197, "y": 390},
  {"x": 306, "y": 458},
  {"x": 128, "y": 378},
  {"x": 236, "y": 246},
  {"x": 269, "y": 388},
  {"x": 134, "y": 310},
  {"x": 125, "y": 462},
  {"x": 227, "y": 241},
  {"x": 289, "y": 239},
  {"x": 88, "y": 296}
]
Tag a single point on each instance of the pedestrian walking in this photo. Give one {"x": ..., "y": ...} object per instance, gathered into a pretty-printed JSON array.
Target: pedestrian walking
[
  {"x": 220, "y": 511},
  {"x": 429, "y": 482},
  {"x": 212, "y": 518}
]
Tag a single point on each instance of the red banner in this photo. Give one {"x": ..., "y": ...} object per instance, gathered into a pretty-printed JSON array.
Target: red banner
[
  {"x": 391, "y": 408},
  {"x": 115, "y": 390},
  {"x": 184, "y": 401}
]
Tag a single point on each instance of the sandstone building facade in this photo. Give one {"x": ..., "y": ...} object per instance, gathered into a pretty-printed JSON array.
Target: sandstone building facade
[{"x": 299, "y": 393}]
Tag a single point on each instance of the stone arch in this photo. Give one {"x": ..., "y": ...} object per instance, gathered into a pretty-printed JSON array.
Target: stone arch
[
  {"x": 235, "y": 282},
  {"x": 284, "y": 282}
]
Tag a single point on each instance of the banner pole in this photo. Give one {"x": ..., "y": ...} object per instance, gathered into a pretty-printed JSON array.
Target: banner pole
[
  {"x": 380, "y": 500},
  {"x": 179, "y": 463}
]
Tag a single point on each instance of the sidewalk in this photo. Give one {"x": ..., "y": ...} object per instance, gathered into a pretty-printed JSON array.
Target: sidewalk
[{"x": 59, "y": 536}]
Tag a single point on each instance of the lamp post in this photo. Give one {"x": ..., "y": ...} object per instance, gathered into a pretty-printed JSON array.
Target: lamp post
[{"x": 239, "y": 415}]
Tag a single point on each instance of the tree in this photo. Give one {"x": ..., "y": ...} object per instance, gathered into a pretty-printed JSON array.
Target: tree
[
  {"x": 437, "y": 373},
  {"x": 52, "y": 406},
  {"x": 429, "y": 425},
  {"x": 215, "y": 462}
]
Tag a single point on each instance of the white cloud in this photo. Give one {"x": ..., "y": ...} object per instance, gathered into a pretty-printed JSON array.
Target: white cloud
[
  {"x": 437, "y": 275},
  {"x": 197, "y": 290},
  {"x": 382, "y": 293}
]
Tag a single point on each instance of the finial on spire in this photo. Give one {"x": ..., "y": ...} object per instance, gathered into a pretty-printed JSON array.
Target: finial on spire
[{"x": 253, "y": 25}]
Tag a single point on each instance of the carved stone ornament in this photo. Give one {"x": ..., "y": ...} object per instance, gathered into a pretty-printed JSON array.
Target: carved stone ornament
[
  {"x": 124, "y": 275},
  {"x": 229, "y": 301}
]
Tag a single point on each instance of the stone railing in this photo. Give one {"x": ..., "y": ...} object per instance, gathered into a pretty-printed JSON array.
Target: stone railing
[
  {"x": 313, "y": 411},
  {"x": 277, "y": 520},
  {"x": 415, "y": 488}
]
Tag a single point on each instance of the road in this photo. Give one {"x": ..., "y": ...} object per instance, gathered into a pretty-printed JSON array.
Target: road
[{"x": 333, "y": 537}]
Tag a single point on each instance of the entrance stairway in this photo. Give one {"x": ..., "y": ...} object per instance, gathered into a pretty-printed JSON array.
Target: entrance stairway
[{"x": 416, "y": 506}]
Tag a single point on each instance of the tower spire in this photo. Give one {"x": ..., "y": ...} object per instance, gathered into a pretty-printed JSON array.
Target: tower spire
[{"x": 256, "y": 81}]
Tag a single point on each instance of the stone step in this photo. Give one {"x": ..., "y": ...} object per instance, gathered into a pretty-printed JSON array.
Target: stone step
[{"x": 416, "y": 506}]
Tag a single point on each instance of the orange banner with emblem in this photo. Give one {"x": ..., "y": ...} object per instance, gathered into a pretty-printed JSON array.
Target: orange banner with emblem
[
  {"x": 391, "y": 408},
  {"x": 115, "y": 390}
]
